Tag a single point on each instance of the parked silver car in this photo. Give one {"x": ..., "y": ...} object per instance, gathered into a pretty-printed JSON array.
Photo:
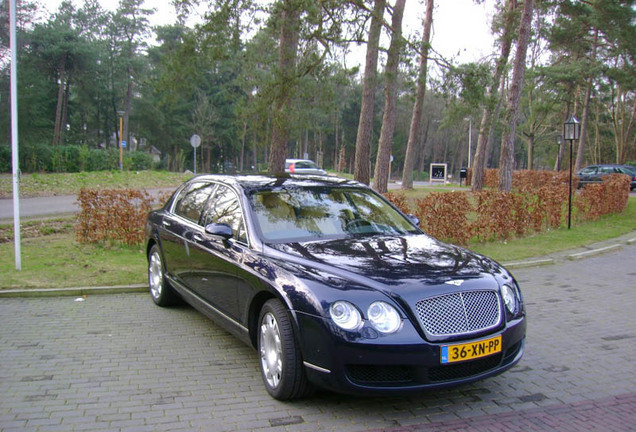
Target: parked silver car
[{"x": 303, "y": 166}]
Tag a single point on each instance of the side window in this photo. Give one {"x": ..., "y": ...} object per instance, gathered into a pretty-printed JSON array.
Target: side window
[
  {"x": 192, "y": 199},
  {"x": 224, "y": 207}
]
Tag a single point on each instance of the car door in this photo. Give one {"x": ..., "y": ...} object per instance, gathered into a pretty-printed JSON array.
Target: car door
[
  {"x": 215, "y": 261},
  {"x": 179, "y": 226}
]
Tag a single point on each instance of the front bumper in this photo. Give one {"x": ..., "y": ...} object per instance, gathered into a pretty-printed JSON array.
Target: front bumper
[{"x": 369, "y": 363}]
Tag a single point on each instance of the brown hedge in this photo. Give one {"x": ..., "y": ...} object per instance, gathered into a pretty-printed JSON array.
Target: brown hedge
[
  {"x": 538, "y": 202},
  {"x": 112, "y": 215}
]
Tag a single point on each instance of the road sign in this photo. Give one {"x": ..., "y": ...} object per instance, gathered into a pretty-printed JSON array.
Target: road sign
[{"x": 195, "y": 140}]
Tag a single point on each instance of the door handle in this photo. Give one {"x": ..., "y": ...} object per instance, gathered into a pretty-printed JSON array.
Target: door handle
[
  {"x": 166, "y": 223},
  {"x": 197, "y": 237}
]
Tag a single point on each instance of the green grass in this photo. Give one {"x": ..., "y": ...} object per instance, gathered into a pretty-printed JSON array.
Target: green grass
[
  {"x": 32, "y": 185},
  {"x": 57, "y": 261}
]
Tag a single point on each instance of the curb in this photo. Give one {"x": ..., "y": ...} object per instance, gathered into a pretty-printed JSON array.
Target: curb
[
  {"x": 531, "y": 263},
  {"x": 78, "y": 291},
  {"x": 594, "y": 252}
]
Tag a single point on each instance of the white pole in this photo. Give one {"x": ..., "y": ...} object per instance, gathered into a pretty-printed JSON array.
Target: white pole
[{"x": 14, "y": 138}]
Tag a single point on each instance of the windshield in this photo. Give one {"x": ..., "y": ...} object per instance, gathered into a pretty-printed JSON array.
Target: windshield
[{"x": 305, "y": 214}]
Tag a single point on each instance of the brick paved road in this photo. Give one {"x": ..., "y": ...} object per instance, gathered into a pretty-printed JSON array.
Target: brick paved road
[{"x": 120, "y": 363}]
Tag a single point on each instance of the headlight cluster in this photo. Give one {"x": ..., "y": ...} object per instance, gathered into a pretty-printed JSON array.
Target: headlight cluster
[
  {"x": 512, "y": 298},
  {"x": 382, "y": 316}
]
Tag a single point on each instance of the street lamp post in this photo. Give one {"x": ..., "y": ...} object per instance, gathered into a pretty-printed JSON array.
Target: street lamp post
[
  {"x": 559, "y": 142},
  {"x": 571, "y": 132}
]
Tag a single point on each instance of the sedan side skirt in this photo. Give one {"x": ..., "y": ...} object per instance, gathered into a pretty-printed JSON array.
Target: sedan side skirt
[{"x": 220, "y": 318}]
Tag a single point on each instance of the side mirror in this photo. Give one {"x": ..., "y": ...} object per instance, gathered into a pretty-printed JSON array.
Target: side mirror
[
  {"x": 220, "y": 230},
  {"x": 414, "y": 219}
]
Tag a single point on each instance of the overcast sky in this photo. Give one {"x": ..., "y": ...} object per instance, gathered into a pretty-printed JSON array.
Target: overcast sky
[{"x": 460, "y": 27}]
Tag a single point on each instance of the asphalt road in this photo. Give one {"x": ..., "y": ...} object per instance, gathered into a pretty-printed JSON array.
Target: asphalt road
[{"x": 120, "y": 363}]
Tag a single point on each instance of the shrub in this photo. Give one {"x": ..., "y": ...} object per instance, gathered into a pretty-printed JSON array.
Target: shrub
[
  {"x": 39, "y": 157},
  {"x": 398, "y": 200},
  {"x": 444, "y": 215},
  {"x": 611, "y": 196},
  {"x": 538, "y": 202},
  {"x": 112, "y": 215}
]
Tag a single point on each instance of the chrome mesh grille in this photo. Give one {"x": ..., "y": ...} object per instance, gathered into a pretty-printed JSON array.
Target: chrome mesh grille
[{"x": 459, "y": 313}]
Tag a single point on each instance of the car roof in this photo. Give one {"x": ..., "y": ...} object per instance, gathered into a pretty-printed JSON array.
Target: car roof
[{"x": 265, "y": 182}]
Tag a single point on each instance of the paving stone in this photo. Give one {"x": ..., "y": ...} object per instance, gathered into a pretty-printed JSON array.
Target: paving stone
[{"x": 118, "y": 362}]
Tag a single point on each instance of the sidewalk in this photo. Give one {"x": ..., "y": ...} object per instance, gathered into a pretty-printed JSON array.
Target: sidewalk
[{"x": 613, "y": 414}]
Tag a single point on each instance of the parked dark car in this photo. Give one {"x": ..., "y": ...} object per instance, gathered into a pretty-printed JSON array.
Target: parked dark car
[
  {"x": 595, "y": 173},
  {"x": 333, "y": 286}
]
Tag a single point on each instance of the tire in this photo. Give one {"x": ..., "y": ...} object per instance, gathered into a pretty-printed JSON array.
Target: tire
[
  {"x": 281, "y": 362},
  {"x": 160, "y": 290}
]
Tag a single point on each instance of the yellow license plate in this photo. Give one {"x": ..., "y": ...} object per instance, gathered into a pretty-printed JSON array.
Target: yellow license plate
[{"x": 470, "y": 351}]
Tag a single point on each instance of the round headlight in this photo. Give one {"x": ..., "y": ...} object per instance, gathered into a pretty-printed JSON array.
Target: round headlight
[
  {"x": 509, "y": 298},
  {"x": 384, "y": 317},
  {"x": 345, "y": 315}
]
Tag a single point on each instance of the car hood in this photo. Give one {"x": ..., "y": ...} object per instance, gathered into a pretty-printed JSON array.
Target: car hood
[{"x": 390, "y": 261}]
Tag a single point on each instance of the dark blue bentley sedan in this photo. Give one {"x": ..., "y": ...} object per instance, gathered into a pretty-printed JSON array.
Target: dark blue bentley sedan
[{"x": 333, "y": 286}]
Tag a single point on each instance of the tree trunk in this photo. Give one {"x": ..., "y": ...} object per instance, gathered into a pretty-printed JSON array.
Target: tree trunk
[
  {"x": 416, "y": 119},
  {"x": 129, "y": 96},
  {"x": 530, "y": 151},
  {"x": 383, "y": 160},
  {"x": 67, "y": 92},
  {"x": 365, "y": 126},
  {"x": 60, "y": 104},
  {"x": 493, "y": 101},
  {"x": 586, "y": 109},
  {"x": 507, "y": 155},
  {"x": 286, "y": 84}
]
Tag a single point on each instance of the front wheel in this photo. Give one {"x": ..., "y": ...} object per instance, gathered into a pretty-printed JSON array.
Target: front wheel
[
  {"x": 280, "y": 358},
  {"x": 160, "y": 290}
]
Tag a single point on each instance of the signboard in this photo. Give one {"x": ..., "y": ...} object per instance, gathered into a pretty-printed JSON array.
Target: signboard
[{"x": 438, "y": 172}]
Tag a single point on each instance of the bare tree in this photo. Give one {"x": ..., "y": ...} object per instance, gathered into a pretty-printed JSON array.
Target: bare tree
[
  {"x": 383, "y": 160},
  {"x": 365, "y": 125},
  {"x": 416, "y": 119},
  {"x": 506, "y": 158}
]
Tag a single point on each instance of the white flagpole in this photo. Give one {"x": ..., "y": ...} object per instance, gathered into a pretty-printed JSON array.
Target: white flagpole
[{"x": 14, "y": 138}]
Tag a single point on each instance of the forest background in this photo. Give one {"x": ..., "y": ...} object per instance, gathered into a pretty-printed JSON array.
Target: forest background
[{"x": 262, "y": 81}]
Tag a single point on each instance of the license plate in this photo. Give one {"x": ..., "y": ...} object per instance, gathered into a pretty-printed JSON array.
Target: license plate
[{"x": 470, "y": 351}]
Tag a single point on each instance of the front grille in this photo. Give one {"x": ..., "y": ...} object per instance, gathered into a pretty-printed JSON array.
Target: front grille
[
  {"x": 408, "y": 376},
  {"x": 459, "y": 313}
]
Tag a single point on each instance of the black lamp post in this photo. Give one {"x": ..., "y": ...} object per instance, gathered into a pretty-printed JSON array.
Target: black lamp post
[{"x": 571, "y": 132}]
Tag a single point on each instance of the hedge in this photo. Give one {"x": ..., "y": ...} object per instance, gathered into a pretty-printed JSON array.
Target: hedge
[
  {"x": 48, "y": 158},
  {"x": 538, "y": 203}
]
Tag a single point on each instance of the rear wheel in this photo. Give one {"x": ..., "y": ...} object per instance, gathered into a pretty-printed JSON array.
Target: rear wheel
[
  {"x": 160, "y": 290},
  {"x": 280, "y": 358}
]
